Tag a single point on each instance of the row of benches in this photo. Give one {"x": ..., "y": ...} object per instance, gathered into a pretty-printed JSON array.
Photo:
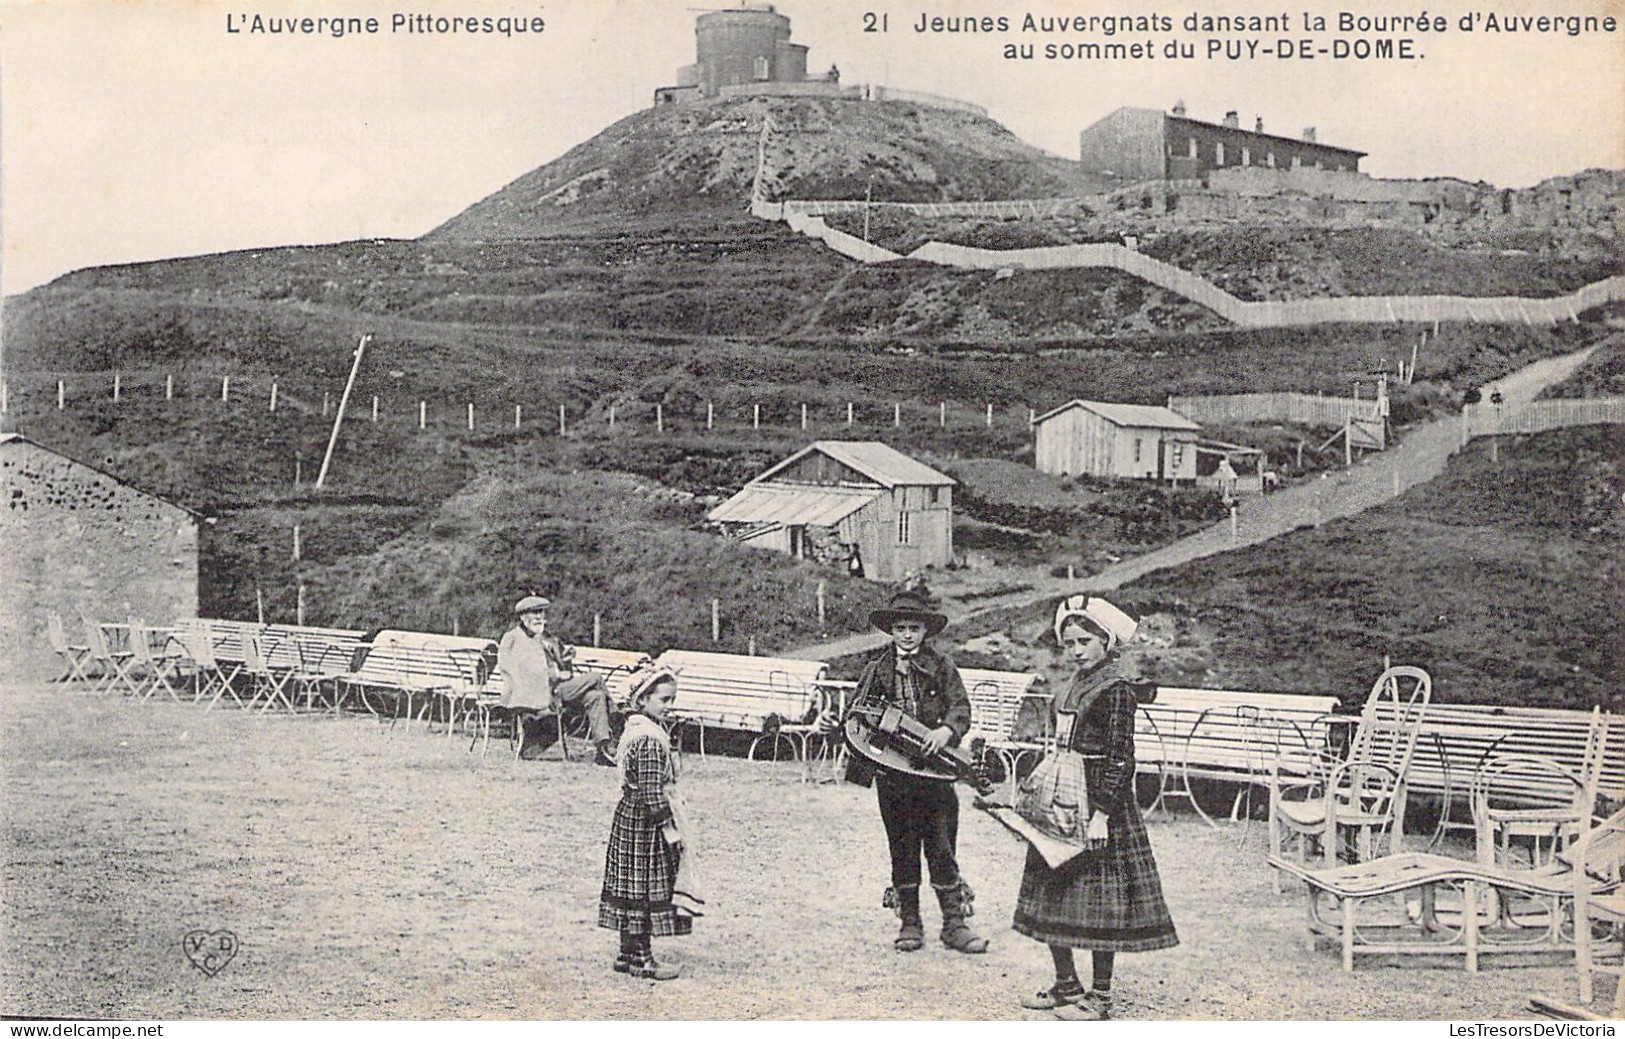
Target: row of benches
[{"x": 1182, "y": 735}]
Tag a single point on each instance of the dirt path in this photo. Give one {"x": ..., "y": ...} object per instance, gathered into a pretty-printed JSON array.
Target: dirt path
[{"x": 1419, "y": 458}]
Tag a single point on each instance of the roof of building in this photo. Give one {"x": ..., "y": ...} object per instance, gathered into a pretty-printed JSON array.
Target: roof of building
[
  {"x": 792, "y": 506},
  {"x": 1264, "y": 136},
  {"x": 1139, "y": 415},
  {"x": 884, "y": 465},
  {"x": 10, "y": 438}
]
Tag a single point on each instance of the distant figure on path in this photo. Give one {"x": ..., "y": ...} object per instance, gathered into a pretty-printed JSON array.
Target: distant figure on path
[
  {"x": 542, "y": 680},
  {"x": 1110, "y": 900},
  {"x": 649, "y": 887}
]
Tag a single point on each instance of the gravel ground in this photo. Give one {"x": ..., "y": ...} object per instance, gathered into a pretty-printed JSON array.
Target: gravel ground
[{"x": 372, "y": 872}]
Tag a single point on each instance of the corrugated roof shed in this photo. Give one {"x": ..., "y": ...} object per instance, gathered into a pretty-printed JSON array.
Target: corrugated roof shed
[
  {"x": 1143, "y": 416},
  {"x": 883, "y": 464},
  {"x": 792, "y": 506}
]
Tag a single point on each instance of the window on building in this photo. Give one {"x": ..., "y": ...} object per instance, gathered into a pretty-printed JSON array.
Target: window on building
[
  {"x": 902, "y": 528},
  {"x": 1246, "y": 156},
  {"x": 1269, "y": 159},
  {"x": 1193, "y": 148},
  {"x": 1218, "y": 154},
  {"x": 1138, "y": 443},
  {"x": 934, "y": 496},
  {"x": 1297, "y": 160},
  {"x": 1176, "y": 451},
  {"x": 761, "y": 68}
]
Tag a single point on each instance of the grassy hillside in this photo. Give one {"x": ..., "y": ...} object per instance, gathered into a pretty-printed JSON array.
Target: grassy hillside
[{"x": 1501, "y": 578}]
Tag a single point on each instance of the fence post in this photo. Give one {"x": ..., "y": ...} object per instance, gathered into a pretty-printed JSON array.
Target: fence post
[
  {"x": 375, "y": 407},
  {"x": 1032, "y": 418},
  {"x": 750, "y": 646},
  {"x": 820, "y": 606},
  {"x": 597, "y": 630},
  {"x": 116, "y": 387},
  {"x": 561, "y": 420},
  {"x": 990, "y": 416},
  {"x": 471, "y": 416},
  {"x": 225, "y": 388},
  {"x": 660, "y": 417},
  {"x": 4, "y": 397},
  {"x": 273, "y": 395},
  {"x": 169, "y": 387},
  {"x": 61, "y": 395},
  {"x": 296, "y": 542},
  {"x": 896, "y": 415},
  {"x": 942, "y": 415},
  {"x": 516, "y": 416},
  {"x": 849, "y": 413},
  {"x": 296, "y": 466},
  {"x": 327, "y": 402},
  {"x": 1071, "y": 572},
  {"x": 423, "y": 414},
  {"x": 804, "y": 416},
  {"x": 299, "y": 604},
  {"x": 710, "y": 415},
  {"x": 1234, "y": 531},
  {"x": 756, "y": 416},
  {"x": 259, "y": 602},
  {"x": 716, "y": 620}
]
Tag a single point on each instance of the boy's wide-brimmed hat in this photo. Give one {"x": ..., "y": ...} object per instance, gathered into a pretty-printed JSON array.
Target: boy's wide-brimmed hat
[
  {"x": 531, "y": 604},
  {"x": 909, "y": 606}
]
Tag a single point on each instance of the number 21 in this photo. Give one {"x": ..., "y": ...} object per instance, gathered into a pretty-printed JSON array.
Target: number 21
[{"x": 874, "y": 22}]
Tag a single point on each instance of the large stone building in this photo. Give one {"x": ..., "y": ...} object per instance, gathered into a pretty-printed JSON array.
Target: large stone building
[
  {"x": 79, "y": 542},
  {"x": 1145, "y": 144},
  {"x": 859, "y": 504}
]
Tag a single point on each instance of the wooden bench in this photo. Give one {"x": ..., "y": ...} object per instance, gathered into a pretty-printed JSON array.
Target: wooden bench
[
  {"x": 995, "y": 701},
  {"x": 1457, "y": 740},
  {"x": 742, "y": 693},
  {"x": 1230, "y": 736},
  {"x": 405, "y": 664}
]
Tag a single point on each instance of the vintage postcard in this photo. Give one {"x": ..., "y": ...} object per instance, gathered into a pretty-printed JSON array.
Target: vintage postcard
[{"x": 610, "y": 510}]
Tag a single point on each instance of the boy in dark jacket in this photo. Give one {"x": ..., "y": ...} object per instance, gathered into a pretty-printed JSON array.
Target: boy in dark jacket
[{"x": 920, "y": 814}]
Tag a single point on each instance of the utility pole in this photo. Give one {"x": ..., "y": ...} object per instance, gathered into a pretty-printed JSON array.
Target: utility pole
[{"x": 332, "y": 441}]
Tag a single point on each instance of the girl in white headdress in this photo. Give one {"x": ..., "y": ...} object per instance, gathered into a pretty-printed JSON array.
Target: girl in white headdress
[
  {"x": 1107, "y": 901},
  {"x": 648, "y": 876}
]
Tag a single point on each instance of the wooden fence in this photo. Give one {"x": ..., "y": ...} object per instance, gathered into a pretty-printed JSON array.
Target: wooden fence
[
  {"x": 1486, "y": 419},
  {"x": 1248, "y": 314},
  {"x": 1306, "y": 409}
]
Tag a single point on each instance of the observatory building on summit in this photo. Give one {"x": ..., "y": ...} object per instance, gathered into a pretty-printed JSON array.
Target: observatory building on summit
[{"x": 741, "y": 46}]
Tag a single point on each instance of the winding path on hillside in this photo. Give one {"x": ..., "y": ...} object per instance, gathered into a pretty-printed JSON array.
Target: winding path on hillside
[{"x": 1380, "y": 477}]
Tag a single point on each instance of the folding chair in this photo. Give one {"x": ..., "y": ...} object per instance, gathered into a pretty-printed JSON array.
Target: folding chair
[
  {"x": 74, "y": 657},
  {"x": 113, "y": 663},
  {"x": 266, "y": 682},
  {"x": 156, "y": 665},
  {"x": 200, "y": 647}
]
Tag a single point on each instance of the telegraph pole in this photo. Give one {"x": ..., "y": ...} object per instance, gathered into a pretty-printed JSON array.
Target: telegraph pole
[{"x": 332, "y": 441}]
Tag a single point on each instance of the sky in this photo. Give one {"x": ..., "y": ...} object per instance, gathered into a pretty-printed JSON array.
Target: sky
[{"x": 144, "y": 129}]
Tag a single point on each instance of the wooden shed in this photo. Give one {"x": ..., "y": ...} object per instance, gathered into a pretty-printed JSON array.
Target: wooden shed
[
  {"x": 859, "y": 504},
  {"x": 1138, "y": 441},
  {"x": 81, "y": 542}
]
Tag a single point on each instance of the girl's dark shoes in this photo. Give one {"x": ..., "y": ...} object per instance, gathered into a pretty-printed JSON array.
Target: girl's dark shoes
[
  {"x": 1060, "y": 994},
  {"x": 1091, "y": 1006},
  {"x": 652, "y": 969}
]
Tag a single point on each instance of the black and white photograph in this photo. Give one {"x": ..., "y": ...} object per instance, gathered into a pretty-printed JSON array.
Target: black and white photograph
[{"x": 846, "y": 511}]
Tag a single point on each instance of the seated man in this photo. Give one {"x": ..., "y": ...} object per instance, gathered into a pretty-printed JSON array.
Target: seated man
[{"x": 542, "y": 679}]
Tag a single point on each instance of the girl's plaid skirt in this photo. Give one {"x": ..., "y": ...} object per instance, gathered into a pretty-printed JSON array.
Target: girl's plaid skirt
[
  {"x": 1109, "y": 900},
  {"x": 639, "y": 872}
]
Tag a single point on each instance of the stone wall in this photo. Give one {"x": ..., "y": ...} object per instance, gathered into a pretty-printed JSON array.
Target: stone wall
[{"x": 78, "y": 541}]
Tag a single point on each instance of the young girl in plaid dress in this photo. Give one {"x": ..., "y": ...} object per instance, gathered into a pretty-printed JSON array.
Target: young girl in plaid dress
[
  {"x": 1108, "y": 901},
  {"x": 647, "y": 888}
]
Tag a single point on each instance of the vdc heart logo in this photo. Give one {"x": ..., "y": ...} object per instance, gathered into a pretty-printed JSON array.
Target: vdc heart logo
[{"x": 210, "y": 951}]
